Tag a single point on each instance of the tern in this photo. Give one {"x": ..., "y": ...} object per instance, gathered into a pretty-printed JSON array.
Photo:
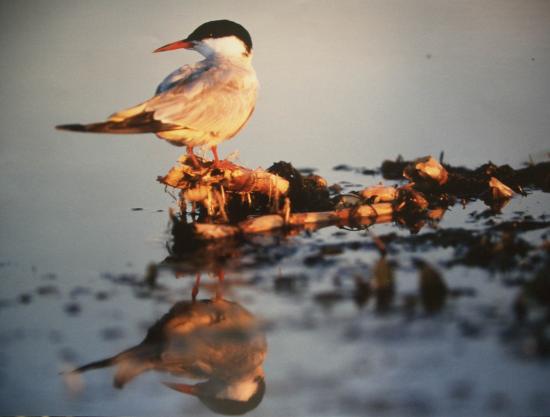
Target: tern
[{"x": 202, "y": 104}]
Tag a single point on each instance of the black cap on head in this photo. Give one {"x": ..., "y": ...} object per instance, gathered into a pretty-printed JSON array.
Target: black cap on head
[{"x": 220, "y": 29}]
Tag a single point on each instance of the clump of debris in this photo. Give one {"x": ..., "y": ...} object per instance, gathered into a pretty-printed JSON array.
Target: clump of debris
[{"x": 231, "y": 200}]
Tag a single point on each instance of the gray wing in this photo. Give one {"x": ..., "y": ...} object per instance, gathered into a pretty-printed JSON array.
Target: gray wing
[
  {"x": 190, "y": 98},
  {"x": 215, "y": 97},
  {"x": 183, "y": 75}
]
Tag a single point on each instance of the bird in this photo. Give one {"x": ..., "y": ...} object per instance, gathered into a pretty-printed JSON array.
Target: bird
[
  {"x": 214, "y": 340},
  {"x": 202, "y": 104}
]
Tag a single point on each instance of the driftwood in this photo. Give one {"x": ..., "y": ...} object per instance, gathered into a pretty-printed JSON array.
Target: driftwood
[
  {"x": 211, "y": 187},
  {"x": 499, "y": 190},
  {"x": 426, "y": 169},
  {"x": 271, "y": 222},
  {"x": 196, "y": 181}
]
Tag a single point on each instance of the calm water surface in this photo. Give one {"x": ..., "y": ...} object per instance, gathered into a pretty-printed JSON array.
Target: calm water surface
[{"x": 82, "y": 217}]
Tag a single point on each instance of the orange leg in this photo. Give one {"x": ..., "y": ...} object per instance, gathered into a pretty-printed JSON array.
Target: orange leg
[
  {"x": 214, "y": 150},
  {"x": 222, "y": 164},
  {"x": 195, "y": 290},
  {"x": 193, "y": 157},
  {"x": 219, "y": 287}
]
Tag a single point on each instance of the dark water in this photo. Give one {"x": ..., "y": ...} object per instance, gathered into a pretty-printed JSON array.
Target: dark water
[{"x": 83, "y": 219}]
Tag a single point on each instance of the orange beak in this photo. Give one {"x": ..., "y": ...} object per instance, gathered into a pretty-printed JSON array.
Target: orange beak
[
  {"x": 185, "y": 388},
  {"x": 175, "y": 45}
]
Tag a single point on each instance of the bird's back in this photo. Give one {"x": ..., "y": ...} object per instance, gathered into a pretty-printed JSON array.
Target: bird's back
[{"x": 210, "y": 102}]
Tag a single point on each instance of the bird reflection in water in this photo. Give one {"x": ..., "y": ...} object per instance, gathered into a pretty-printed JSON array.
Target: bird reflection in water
[{"x": 214, "y": 340}]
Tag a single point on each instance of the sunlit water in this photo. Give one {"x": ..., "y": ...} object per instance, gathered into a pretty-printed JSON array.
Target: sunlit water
[{"x": 342, "y": 82}]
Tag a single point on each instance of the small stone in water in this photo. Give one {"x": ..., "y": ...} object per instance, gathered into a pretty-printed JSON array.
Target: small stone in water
[{"x": 72, "y": 309}]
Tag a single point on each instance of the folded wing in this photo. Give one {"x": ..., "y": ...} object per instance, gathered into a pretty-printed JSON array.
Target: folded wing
[{"x": 217, "y": 104}]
